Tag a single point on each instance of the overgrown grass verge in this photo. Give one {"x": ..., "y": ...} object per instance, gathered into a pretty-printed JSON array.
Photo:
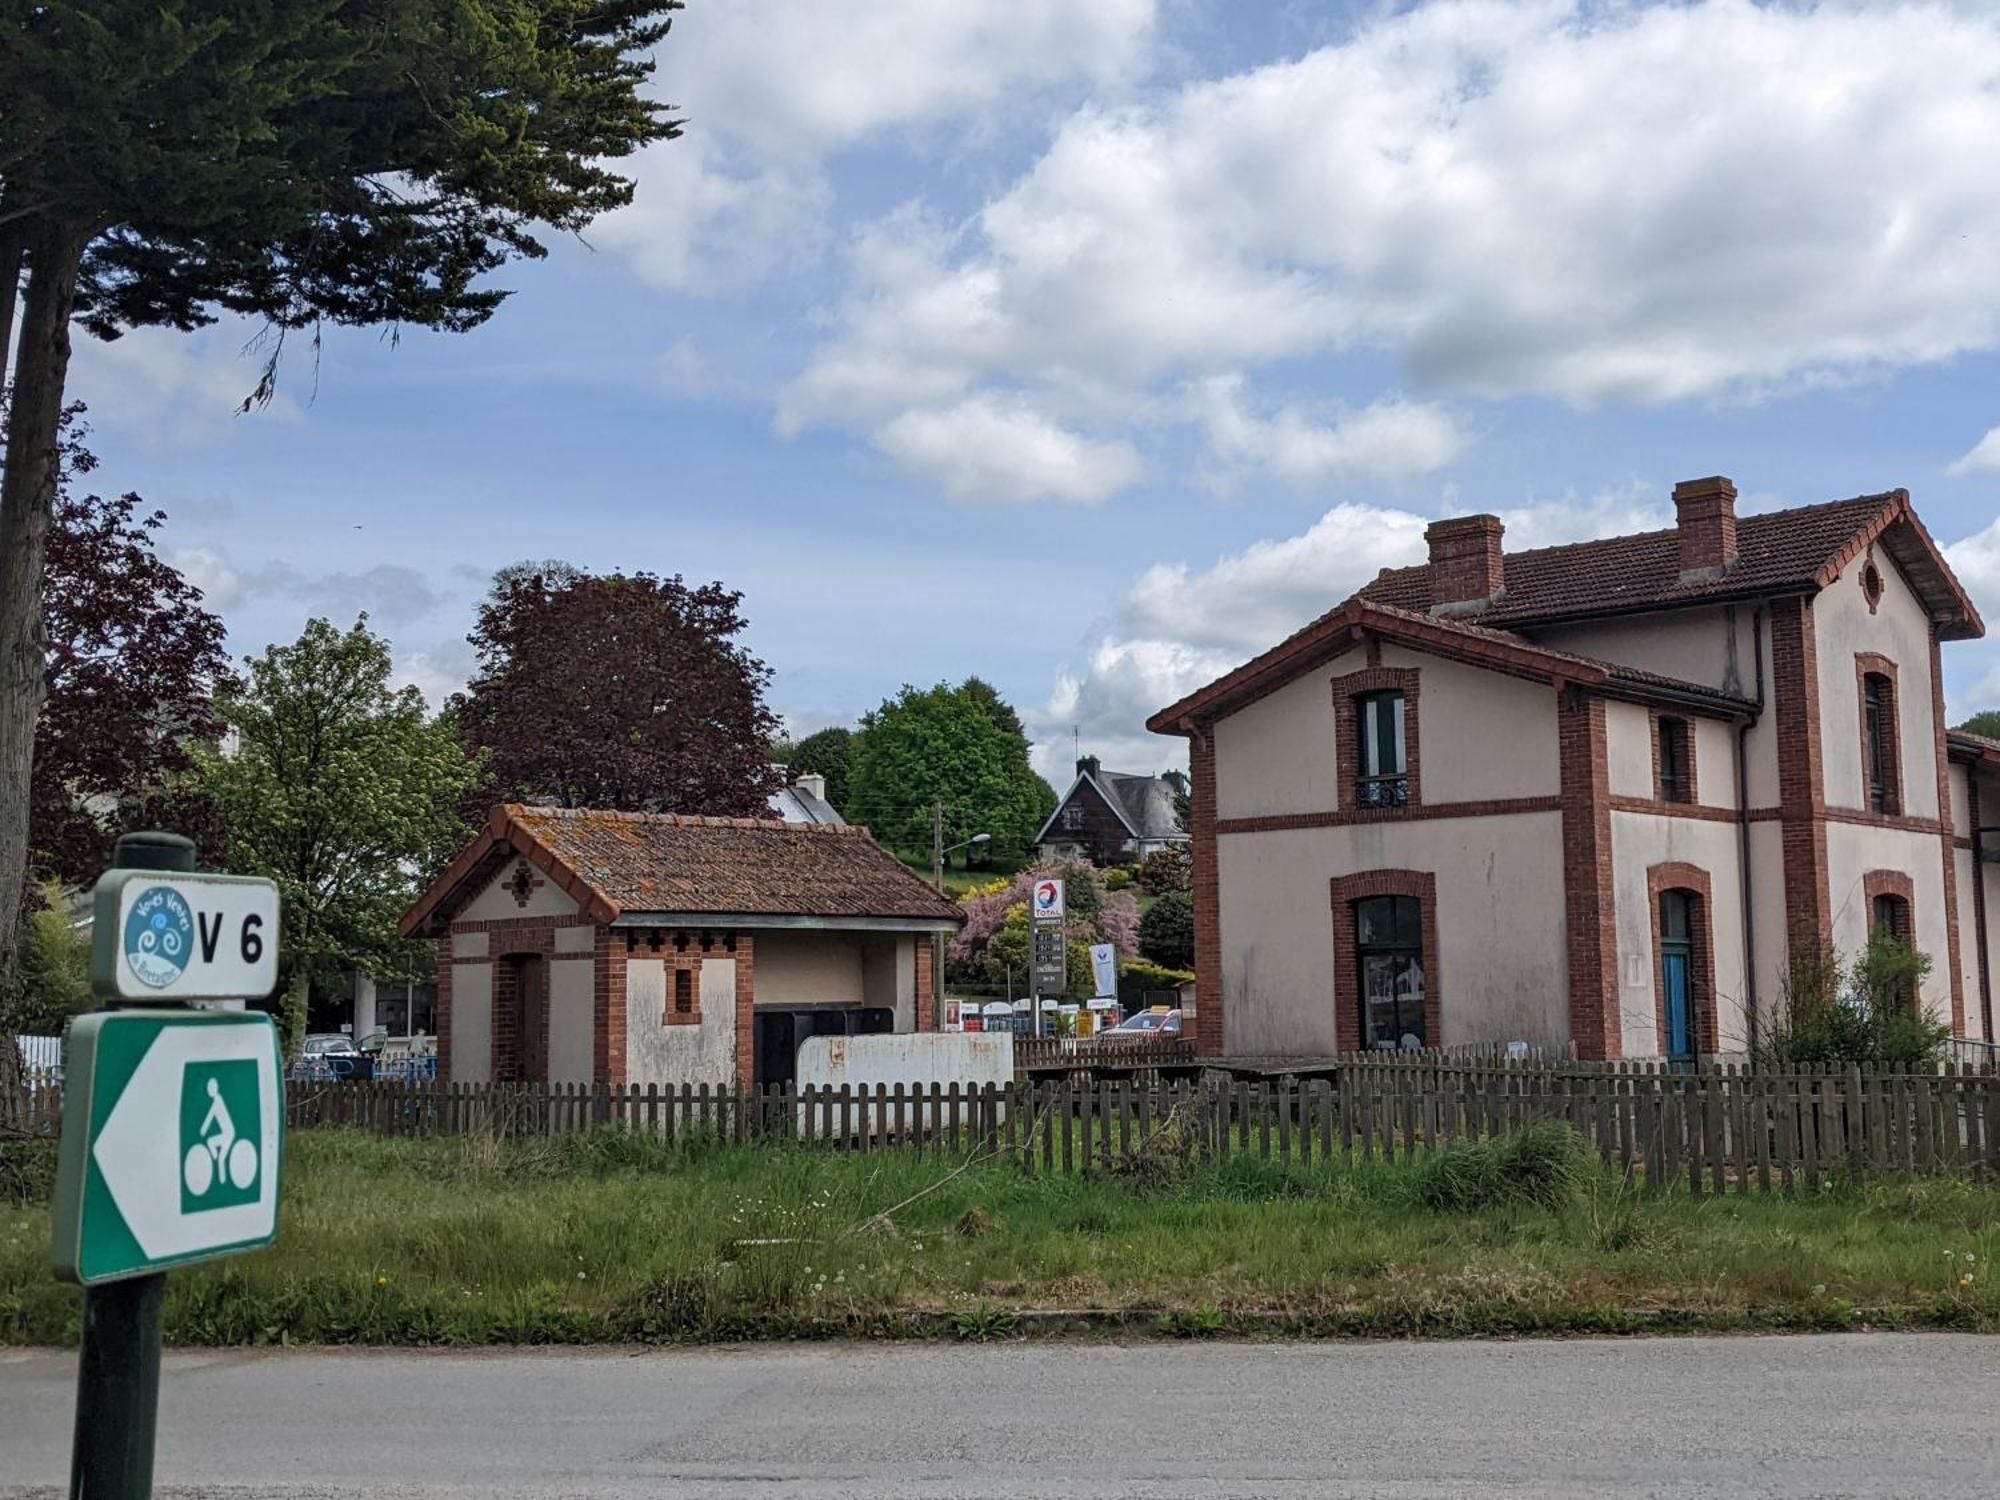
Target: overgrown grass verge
[{"x": 619, "y": 1237}]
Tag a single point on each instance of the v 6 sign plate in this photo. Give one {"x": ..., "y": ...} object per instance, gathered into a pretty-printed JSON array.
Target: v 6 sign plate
[{"x": 159, "y": 936}]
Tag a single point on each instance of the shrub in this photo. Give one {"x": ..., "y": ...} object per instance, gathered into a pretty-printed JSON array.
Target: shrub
[
  {"x": 1166, "y": 932},
  {"x": 1118, "y": 879},
  {"x": 1168, "y": 869},
  {"x": 1862, "y": 1012},
  {"x": 1543, "y": 1165}
]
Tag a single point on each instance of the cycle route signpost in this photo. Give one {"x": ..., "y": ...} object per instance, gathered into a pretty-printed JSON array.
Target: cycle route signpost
[{"x": 173, "y": 1129}]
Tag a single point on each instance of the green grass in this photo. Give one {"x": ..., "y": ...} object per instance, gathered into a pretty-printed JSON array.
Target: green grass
[{"x": 618, "y": 1237}]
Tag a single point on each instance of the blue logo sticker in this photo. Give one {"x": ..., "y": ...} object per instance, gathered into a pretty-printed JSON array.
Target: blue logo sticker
[{"x": 159, "y": 936}]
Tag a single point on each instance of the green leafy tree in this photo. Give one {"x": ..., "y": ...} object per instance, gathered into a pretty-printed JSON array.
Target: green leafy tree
[
  {"x": 946, "y": 744},
  {"x": 829, "y": 753},
  {"x": 51, "y": 982},
  {"x": 1987, "y": 723},
  {"x": 345, "y": 791},
  {"x": 296, "y": 161},
  {"x": 1864, "y": 1011},
  {"x": 1166, "y": 931}
]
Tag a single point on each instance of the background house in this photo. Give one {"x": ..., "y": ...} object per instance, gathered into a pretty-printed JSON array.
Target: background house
[
  {"x": 578, "y": 946},
  {"x": 1112, "y": 817}
]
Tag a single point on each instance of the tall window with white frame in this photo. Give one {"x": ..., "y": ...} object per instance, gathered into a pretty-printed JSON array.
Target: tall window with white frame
[
  {"x": 1382, "y": 776},
  {"x": 1389, "y": 961}
]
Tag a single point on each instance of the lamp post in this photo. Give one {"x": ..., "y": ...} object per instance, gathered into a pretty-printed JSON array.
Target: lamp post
[{"x": 938, "y": 853}]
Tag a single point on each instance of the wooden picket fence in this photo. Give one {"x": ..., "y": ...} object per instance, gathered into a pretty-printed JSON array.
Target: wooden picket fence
[
  {"x": 1044, "y": 1053},
  {"x": 1715, "y": 1130},
  {"x": 1718, "y": 1129}
]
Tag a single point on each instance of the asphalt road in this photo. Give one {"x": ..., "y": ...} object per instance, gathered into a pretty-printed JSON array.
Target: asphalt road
[{"x": 1857, "y": 1415}]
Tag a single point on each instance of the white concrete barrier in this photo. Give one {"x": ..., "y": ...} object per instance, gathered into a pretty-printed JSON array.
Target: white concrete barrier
[{"x": 916, "y": 1060}]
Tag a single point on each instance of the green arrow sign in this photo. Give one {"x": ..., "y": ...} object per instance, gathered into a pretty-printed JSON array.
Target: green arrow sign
[{"x": 173, "y": 1136}]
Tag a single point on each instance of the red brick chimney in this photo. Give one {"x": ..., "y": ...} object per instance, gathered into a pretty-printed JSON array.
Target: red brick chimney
[
  {"x": 1466, "y": 566},
  {"x": 1705, "y": 514}
]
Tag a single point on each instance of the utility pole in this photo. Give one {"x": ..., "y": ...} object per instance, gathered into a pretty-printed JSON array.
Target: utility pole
[{"x": 937, "y": 938}]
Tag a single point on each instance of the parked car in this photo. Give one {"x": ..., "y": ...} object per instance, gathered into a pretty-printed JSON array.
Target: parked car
[
  {"x": 1158, "y": 1022},
  {"x": 332, "y": 1057}
]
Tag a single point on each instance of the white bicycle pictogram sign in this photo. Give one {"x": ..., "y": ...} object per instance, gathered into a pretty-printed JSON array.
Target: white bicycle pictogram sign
[{"x": 214, "y": 1153}]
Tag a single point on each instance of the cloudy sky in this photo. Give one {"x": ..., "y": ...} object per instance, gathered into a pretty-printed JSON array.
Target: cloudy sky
[{"x": 1092, "y": 345}]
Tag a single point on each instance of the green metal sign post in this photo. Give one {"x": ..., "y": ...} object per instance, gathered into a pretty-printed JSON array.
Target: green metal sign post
[{"x": 173, "y": 1130}]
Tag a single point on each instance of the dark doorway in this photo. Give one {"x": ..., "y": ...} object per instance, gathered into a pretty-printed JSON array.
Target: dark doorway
[
  {"x": 523, "y": 1011},
  {"x": 780, "y": 1033}
]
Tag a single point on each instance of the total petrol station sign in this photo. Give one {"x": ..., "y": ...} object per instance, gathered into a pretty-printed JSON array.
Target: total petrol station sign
[{"x": 177, "y": 1160}]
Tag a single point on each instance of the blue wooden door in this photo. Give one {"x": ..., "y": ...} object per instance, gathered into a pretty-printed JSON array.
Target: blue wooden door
[{"x": 1680, "y": 1018}]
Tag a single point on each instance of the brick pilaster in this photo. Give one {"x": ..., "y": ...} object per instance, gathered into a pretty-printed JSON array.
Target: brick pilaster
[
  {"x": 746, "y": 1005},
  {"x": 924, "y": 1004},
  {"x": 608, "y": 1036},
  {"x": 444, "y": 958},
  {"x": 1208, "y": 1028},
  {"x": 1948, "y": 839},
  {"x": 1801, "y": 777},
  {"x": 1590, "y": 919}
]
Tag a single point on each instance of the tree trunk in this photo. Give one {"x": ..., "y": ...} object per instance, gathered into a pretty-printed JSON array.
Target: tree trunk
[
  {"x": 27, "y": 496},
  {"x": 10, "y": 291}
]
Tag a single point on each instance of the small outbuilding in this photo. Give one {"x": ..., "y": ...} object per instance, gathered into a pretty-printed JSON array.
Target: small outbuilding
[{"x": 577, "y": 946}]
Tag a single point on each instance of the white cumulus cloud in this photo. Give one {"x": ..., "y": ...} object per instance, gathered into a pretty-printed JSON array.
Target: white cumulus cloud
[
  {"x": 770, "y": 89},
  {"x": 1180, "y": 626},
  {"x": 1595, "y": 203},
  {"x": 1984, "y": 458},
  {"x": 993, "y": 448}
]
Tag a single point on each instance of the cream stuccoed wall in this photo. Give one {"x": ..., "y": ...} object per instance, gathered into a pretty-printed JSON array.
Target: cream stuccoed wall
[
  {"x": 1718, "y": 647},
  {"x": 472, "y": 1023},
  {"x": 1767, "y": 909},
  {"x": 1277, "y": 755},
  {"x": 1500, "y": 924},
  {"x": 704, "y": 1052},
  {"x": 811, "y": 968},
  {"x": 1482, "y": 735},
  {"x": 1638, "y": 842},
  {"x": 572, "y": 1019},
  {"x": 1900, "y": 630},
  {"x": 1709, "y": 645},
  {"x": 888, "y": 974},
  {"x": 1968, "y": 947},
  {"x": 1628, "y": 743},
  {"x": 1851, "y": 852},
  {"x": 496, "y": 902}
]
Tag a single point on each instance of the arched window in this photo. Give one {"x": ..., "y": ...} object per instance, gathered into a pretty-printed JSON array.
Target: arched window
[
  {"x": 1389, "y": 959},
  {"x": 1889, "y": 917},
  {"x": 1676, "y": 760},
  {"x": 1677, "y": 973},
  {"x": 1881, "y": 758}
]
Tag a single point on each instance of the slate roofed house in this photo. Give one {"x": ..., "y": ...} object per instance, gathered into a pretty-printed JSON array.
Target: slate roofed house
[
  {"x": 1596, "y": 796},
  {"x": 577, "y": 946},
  {"x": 1113, "y": 818},
  {"x": 804, "y": 801}
]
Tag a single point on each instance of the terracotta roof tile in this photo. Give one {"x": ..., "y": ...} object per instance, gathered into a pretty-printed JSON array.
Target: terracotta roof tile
[
  {"x": 1775, "y": 551},
  {"x": 616, "y": 863},
  {"x": 749, "y": 866}
]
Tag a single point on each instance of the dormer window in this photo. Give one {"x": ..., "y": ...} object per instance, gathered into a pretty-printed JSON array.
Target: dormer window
[{"x": 1382, "y": 771}]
